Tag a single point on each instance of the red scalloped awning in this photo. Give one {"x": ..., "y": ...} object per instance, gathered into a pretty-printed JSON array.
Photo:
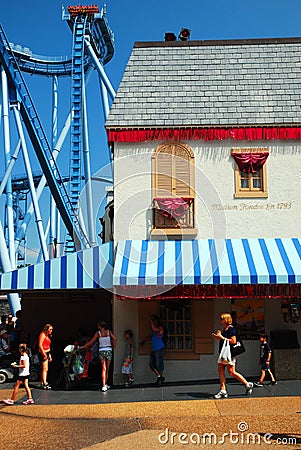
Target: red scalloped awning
[
  {"x": 173, "y": 206},
  {"x": 250, "y": 162},
  {"x": 205, "y": 292},
  {"x": 206, "y": 134}
]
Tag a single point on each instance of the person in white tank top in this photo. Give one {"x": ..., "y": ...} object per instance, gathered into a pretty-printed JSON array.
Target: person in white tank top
[
  {"x": 107, "y": 341},
  {"x": 23, "y": 366},
  {"x": 104, "y": 342}
]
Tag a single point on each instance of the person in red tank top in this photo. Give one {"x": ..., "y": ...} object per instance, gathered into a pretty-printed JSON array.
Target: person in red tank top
[{"x": 44, "y": 353}]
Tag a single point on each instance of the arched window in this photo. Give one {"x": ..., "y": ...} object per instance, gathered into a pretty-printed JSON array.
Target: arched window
[
  {"x": 173, "y": 171},
  {"x": 173, "y": 186}
]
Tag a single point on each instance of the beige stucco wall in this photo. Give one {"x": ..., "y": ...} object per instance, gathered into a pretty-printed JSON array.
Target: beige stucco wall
[{"x": 218, "y": 214}]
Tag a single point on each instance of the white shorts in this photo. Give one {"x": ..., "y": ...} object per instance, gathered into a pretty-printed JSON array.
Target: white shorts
[{"x": 226, "y": 363}]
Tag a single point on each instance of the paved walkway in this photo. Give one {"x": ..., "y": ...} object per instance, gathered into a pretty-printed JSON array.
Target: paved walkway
[{"x": 143, "y": 417}]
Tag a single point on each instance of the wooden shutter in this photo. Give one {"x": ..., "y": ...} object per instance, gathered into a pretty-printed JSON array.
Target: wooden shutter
[
  {"x": 164, "y": 174},
  {"x": 182, "y": 180},
  {"x": 173, "y": 171}
]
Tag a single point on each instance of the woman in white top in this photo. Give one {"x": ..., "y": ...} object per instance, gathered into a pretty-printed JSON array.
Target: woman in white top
[
  {"x": 23, "y": 367},
  {"x": 106, "y": 343}
]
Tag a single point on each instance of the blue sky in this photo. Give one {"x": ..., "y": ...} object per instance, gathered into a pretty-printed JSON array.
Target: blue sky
[{"x": 38, "y": 24}]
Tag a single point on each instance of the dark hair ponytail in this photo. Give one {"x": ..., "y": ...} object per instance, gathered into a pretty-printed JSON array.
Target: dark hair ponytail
[
  {"x": 103, "y": 324},
  {"x": 23, "y": 348}
]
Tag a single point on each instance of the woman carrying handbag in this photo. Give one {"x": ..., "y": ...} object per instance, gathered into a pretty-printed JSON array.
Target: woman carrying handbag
[{"x": 227, "y": 337}]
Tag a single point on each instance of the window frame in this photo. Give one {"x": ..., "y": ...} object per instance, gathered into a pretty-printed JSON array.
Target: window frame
[
  {"x": 202, "y": 342},
  {"x": 250, "y": 192},
  {"x": 166, "y": 322},
  {"x": 157, "y": 151},
  {"x": 156, "y": 190}
]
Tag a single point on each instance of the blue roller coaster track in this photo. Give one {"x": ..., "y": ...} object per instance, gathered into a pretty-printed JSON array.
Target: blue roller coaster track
[{"x": 92, "y": 48}]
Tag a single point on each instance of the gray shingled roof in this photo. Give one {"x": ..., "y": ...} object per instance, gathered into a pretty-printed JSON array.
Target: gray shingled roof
[{"x": 210, "y": 83}]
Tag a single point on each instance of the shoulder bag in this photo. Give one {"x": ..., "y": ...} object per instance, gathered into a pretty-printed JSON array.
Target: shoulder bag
[{"x": 238, "y": 348}]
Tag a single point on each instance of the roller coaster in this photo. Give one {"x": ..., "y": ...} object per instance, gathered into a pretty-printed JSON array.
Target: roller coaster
[{"x": 24, "y": 137}]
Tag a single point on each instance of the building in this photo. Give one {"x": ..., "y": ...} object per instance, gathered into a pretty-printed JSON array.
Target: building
[
  {"x": 205, "y": 216},
  {"x": 207, "y": 170}
]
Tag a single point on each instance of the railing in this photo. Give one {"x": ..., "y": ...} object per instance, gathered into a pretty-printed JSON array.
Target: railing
[{"x": 164, "y": 217}]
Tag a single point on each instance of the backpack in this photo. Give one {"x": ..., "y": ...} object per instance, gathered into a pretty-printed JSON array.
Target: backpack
[{"x": 165, "y": 336}]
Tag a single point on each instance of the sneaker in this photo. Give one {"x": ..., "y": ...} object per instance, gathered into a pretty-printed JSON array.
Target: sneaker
[
  {"x": 160, "y": 381},
  {"x": 129, "y": 382},
  {"x": 249, "y": 388},
  {"x": 221, "y": 394},
  {"x": 273, "y": 383},
  {"x": 258, "y": 384},
  {"x": 45, "y": 386},
  {"x": 8, "y": 401},
  {"x": 104, "y": 388},
  {"x": 30, "y": 401}
]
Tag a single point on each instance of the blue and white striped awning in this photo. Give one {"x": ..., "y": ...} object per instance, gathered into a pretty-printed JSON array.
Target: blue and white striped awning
[
  {"x": 87, "y": 269},
  {"x": 208, "y": 261}
]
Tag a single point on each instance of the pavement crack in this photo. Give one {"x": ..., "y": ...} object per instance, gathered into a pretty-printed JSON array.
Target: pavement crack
[
  {"x": 217, "y": 407},
  {"x": 139, "y": 423}
]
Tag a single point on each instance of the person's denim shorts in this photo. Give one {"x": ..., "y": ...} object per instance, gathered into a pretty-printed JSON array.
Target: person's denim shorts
[
  {"x": 106, "y": 354},
  {"x": 156, "y": 360}
]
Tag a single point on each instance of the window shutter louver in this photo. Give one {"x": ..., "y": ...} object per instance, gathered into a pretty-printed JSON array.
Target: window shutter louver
[
  {"x": 164, "y": 174},
  {"x": 182, "y": 177},
  {"x": 173, "y": 171}
]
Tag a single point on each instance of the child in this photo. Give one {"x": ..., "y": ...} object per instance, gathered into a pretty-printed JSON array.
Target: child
[
  {"x": 265, "y": 358},
  {"x": 23, "y": 367},
  {"x": 127, "y": 366}
]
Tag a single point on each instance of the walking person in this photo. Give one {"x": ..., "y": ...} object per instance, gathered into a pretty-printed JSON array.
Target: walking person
[
  {"x": 107, "y": 341},
  {"x": 23, "y": 367},
  {"x": 156, "y": 358},
  {"x": 127, "y": 366},
  {"x": 44, "y": 345},
  {"x": 265, "y": 358},
  {"x": 228, "y": 334}
]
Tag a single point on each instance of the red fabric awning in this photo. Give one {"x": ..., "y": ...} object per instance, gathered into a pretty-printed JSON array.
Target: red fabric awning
[
  {"x": 250, "y": 162},
  {"x": 173, "y": 206},
  {"x": 203, "y": 292},
  {"x": 206, "y": 134}
]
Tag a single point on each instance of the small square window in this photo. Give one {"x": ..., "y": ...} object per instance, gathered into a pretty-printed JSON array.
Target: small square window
[{"x": 250, "y": 183}]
